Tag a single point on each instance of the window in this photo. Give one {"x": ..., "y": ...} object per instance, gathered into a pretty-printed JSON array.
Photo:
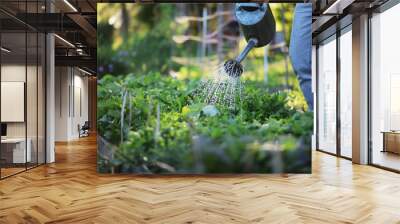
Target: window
[
  {"x": 22, "y": 77},
  {"x": 385, "y": 89},
  {"x": 346, "y": 92},
  {"x": 327, "y": 96}
]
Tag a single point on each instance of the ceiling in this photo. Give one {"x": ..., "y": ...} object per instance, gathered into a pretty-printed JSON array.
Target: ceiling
[
  {"x": 74, "y": 22},
  {"x": 330, "y": 15}
]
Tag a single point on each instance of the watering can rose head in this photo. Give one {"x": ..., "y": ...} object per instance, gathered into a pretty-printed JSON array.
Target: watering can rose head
[{"x": 233, "y": 68}]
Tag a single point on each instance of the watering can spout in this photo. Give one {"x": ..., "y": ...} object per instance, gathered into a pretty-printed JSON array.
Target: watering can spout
[{"x": 258, "y": 26}]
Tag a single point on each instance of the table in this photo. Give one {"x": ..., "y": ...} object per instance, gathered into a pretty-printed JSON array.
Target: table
[
  {"x": 15, "y": 148},
  {"x": 391, "y": 141}
]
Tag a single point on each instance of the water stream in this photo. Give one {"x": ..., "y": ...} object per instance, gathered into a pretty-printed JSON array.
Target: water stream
[{"x": 221, "y": 89}]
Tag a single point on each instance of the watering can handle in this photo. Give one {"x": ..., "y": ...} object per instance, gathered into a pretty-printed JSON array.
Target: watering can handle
[{"x": 250, "y": 6}]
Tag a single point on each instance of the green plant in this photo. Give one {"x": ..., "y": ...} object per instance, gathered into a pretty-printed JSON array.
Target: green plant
[{"x": 156, "y": 126}]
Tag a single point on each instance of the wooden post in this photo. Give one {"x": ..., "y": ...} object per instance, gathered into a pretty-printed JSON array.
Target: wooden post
[
  {"x": 266, "y": 64},
  {"x": 220, "y": 44},
  {"x": 204, "y": 44}
]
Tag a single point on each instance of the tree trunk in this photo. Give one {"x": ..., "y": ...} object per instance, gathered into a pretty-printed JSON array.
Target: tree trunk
[{"x": 125, "y": 21}]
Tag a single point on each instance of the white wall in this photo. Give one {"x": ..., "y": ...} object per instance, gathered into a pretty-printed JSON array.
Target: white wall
[
  {"x": 33, "y": 126},
  {"x": 71, "y": 94},
  {"x": 9, "y": 73},
  {"x": 62, "y": 81},
  {"x": 80, "y": 102},
  {"x": 13, "y": 73}
]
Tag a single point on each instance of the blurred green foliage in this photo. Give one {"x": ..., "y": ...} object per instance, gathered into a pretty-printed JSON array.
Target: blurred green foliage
[{"x": 138, "y": 51}]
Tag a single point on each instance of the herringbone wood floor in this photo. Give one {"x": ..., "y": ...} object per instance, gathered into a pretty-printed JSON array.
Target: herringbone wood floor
[{"x": 70, "y": 191}]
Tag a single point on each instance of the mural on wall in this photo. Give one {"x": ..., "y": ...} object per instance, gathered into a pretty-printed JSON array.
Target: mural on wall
[{"x": 204, "y": 88}]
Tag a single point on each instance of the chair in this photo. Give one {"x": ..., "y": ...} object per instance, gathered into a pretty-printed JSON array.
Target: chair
[{"x": 84, "y": 130}]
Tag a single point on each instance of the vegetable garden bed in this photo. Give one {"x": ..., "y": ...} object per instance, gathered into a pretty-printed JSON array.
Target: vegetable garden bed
[{"x": 153, "y": 124}]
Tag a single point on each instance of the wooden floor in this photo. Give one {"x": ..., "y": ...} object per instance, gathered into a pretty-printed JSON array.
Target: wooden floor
[
  {"x": 11, "y": 170},
  {"x": 70, "y": 191},
  {"x": 386, "y": 159}
]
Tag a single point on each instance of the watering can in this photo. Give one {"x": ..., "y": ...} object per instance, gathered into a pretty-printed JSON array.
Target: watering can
[
  {"x": 258, "y": 26},
  {"x": 257, "y": 23}
]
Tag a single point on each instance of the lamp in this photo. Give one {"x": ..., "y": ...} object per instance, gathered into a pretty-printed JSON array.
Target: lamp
[
  {"x": 64, "y": 40},
  {"x": 70, "y": 5},
  {"x": 5, "y": 50}
]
